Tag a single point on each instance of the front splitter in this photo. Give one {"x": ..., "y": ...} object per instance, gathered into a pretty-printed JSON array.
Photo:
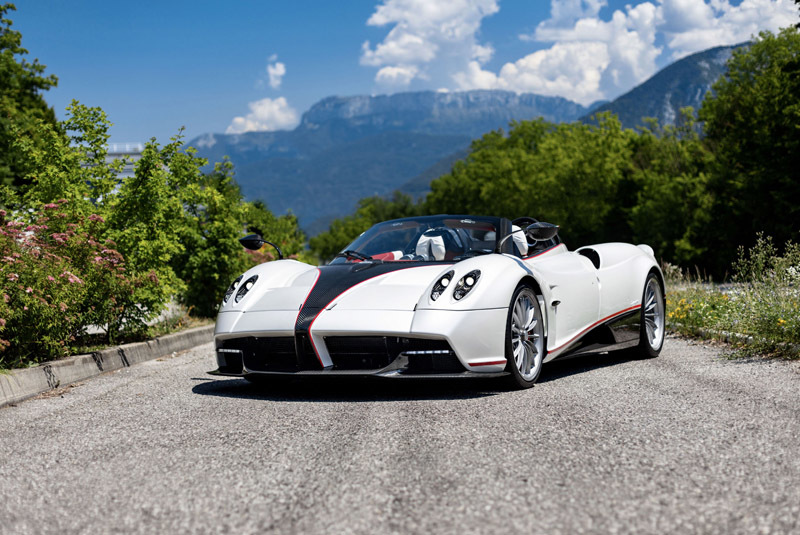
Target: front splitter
[{"x": 391, "y": 374}]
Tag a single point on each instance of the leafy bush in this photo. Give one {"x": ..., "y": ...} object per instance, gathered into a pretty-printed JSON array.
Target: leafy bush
[{"x": 57, "y": 277}]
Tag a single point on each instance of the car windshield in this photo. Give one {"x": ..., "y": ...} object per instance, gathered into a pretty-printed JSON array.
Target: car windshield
[{"x": 423, "y": 239}]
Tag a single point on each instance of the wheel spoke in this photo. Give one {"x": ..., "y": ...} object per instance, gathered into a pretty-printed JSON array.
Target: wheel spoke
[
  {"x": 519, "y": 314},
  {"x": 531, "y": 320},
  {"x": 517, "y": 349}
]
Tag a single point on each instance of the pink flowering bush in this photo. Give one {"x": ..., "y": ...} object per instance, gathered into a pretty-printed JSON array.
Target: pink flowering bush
[{"x": 56, "y": 278}]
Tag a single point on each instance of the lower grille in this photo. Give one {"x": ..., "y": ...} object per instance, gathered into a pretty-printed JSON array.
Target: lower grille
[
  {"x": 275, "y": 354},
  {"x": 424, "y": 364},
  {"x": 360, "y": 352},
  {"x": 376, "y": 352}
]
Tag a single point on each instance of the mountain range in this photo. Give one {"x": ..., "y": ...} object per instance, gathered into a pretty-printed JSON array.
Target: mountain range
[{"x": 347, "y": 148}]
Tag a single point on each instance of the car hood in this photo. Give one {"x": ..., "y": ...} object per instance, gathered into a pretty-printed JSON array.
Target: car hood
[{"x": 356, "y": 286}]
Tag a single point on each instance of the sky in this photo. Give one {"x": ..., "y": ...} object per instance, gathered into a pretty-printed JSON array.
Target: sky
[{"x": 157, "y": 66}]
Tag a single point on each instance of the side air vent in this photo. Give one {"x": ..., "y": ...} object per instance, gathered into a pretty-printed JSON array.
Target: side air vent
[{"x": 592, "y": 255}]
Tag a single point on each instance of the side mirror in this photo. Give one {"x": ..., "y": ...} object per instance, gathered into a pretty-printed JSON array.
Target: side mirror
[
  {"x": 254, "y": 243},
  {"x": 541, "y": 231}
]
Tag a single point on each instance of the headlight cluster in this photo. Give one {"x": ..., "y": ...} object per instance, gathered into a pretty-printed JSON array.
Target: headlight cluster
[
  {"x": 465, "y": 284},
  {"x": 231, "y": 288},
  {"x": 244, "y": 288},
  {"x": 441, "y": 285},
  {"x": 462, "y": 288}
]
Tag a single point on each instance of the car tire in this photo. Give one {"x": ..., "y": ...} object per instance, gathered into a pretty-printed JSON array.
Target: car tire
[
  {"x": 525, "y": 338},
  {"x": 652, "y": 319}
]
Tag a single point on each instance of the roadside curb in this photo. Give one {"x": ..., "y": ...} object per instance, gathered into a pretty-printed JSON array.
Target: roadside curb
[{"x": 25, "y": 383}]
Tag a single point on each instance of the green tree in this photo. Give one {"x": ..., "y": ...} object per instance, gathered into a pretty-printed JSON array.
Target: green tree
[
  {"x": 752, "y": 124},
  {"x": 798, "y": 5},
  {"x": 574, "y": 175},
  {"x": 214, "y": 215},
  {"x": 21, "y": 102},
  {"x": 73, "y": 166},
  {"x": 670, "y": 167}
]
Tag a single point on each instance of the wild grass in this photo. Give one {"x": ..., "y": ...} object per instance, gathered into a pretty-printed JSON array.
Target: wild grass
[{"x": 758, "y": 312}]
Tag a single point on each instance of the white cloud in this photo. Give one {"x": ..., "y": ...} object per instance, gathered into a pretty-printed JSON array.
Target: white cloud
[
  {"x": 693, "y": 25},
  {"x": 429, "y": 40},
  {"x": 276, "y": 70},
  {"x": 591, "y": 58},
  {"x": 265, "y": 115},
  {"x": 590, "y": 53}
]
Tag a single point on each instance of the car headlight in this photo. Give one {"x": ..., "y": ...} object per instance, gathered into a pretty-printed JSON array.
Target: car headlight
[
  {"x": 466, "y": 284},
  {"x": 231, "y": 288},
  {"x": 441, "y": 285},
  {"x": 244, "y": 288}
]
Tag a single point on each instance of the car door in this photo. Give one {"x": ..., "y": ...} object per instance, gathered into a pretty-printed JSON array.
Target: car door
[{"x": 572, "y": 295}]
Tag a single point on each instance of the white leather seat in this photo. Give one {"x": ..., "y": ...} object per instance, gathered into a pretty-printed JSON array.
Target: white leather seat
[{"x": 431, "y": 247}]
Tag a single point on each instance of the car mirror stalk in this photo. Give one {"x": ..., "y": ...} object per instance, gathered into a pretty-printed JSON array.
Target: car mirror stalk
[{"x": 254, "y": 242}]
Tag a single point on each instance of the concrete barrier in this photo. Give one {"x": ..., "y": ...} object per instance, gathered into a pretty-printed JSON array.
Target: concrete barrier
[{"x": 25, "y": 383}]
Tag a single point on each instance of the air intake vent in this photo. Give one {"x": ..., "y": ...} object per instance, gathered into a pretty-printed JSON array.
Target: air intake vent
[
  {"x": 265, "y": 354},
  {"x": 376, "y": 352}
]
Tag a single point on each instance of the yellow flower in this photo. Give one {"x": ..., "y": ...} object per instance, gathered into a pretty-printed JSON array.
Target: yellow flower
[{"x": 781, "y": 322}]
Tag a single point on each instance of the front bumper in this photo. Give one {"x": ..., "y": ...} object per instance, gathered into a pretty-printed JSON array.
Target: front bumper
[
  {"x": 389, "y": 343},
  {"x": 381, "y": 356}
]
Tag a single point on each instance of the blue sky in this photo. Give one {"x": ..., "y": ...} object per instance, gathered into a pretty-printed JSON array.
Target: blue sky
[{"x": 250, "y": 65}]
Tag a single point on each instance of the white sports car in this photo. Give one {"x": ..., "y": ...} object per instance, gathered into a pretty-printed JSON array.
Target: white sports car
[{"x": 444, "y": 296}]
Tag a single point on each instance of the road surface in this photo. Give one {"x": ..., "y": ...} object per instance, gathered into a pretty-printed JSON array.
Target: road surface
[{"x": 689, "y": 442}]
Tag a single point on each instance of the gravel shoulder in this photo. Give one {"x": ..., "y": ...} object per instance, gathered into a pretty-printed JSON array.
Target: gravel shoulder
[{"x": 689, "y": 442}]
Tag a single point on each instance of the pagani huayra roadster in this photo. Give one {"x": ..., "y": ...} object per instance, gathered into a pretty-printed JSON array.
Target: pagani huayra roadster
[{"x": 441, "y": 296}]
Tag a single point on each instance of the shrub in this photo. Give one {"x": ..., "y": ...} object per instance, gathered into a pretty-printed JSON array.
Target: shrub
[
  {"x": 763, "y": 304},
  {"x": 56, "y": 278}
]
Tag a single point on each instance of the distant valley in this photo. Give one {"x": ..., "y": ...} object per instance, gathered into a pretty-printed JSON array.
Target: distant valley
[{"x": 347, "y": 148}]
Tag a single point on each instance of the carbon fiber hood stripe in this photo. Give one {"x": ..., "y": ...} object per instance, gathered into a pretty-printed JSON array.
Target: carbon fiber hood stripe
[{"x": 335, "y": 280}]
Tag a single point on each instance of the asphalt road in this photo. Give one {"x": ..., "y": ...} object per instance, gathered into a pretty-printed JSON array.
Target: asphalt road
[{"x": 686, "y": 443}]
